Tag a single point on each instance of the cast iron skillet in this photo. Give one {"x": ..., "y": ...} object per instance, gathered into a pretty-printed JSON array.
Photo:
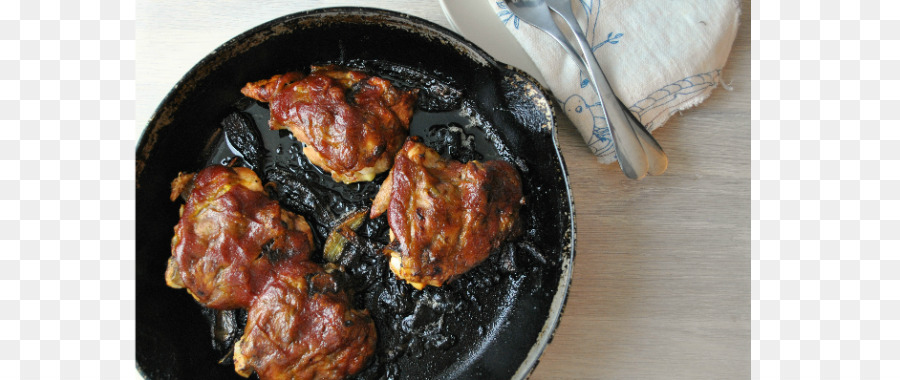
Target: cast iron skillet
[{"x": 505, "y": 336}]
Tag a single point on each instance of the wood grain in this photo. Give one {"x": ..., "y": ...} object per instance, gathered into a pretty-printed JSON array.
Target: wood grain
[{"x": 662, "y": 275}]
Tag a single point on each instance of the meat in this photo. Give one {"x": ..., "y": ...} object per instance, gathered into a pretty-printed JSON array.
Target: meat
[
  {"x": 352, "y": 124},
  {"x": 445, "y": 216},
  {"x": 236, "y": 248},
  {"x": 302, "y": 327},
  {"x": 230, "y": 236}
]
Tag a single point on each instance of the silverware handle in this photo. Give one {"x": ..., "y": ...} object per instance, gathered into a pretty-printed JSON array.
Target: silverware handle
[
  {"x": 658, "y": 160},
  {"x": 618, "y": 115},
  {"x": 631, "y": 156},
  {"x": 623, "y": 133},
  {"x": 630, "y": 152}
]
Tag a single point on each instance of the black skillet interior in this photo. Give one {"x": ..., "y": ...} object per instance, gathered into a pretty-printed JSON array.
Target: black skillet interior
[{"x": 503, "y": 327}]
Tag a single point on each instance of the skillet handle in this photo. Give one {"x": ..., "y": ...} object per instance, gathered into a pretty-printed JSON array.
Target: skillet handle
[{"x": 537, "y": 111}]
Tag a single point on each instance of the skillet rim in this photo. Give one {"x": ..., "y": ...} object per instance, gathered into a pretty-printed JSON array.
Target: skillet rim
[{"x": 148, "y": 138}]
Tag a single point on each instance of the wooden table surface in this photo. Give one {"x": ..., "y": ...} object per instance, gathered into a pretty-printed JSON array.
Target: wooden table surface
[{"x": 662, "y": 270}]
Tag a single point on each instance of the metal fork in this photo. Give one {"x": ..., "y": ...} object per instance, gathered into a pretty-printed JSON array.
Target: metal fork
[
  {"x": 657, "y": 158},
  {"x": 631, "y": 154}
]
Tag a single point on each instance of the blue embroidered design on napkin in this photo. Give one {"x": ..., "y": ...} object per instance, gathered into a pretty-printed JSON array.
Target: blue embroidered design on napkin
[{"x": 506, "y": 15}]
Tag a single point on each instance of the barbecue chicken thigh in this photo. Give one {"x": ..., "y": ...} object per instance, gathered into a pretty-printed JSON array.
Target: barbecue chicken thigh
[
  {"x": 352, "y": 124},
  {"x": 302, "y": 326},
  {"x": 230, "y": 236},
  {"x": 445, "y": 216}
]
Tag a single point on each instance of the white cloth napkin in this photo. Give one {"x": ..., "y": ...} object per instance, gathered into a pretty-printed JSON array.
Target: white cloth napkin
[{"x": 660, "y": 56}]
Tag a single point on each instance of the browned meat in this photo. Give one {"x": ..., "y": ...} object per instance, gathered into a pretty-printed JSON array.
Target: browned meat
[
  {"x": 352, "y": 124},
  {"x": 303, "y": 327},
  {"x": 445, "y": 216},
  {"x": 234, "y": 247},
  {"x": 230, "y": 236}
]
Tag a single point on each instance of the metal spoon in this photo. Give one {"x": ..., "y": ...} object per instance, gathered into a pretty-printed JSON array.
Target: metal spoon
[{"x": 657, "y": 158}]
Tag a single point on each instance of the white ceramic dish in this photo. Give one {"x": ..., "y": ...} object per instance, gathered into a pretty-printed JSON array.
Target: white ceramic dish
[{"x": 477, "y": 21}]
